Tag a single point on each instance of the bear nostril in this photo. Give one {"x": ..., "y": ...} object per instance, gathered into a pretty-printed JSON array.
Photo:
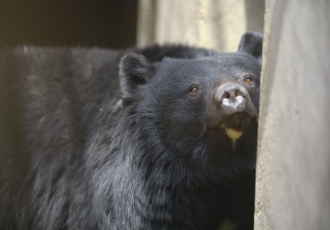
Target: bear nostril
[
  {"x": 226, "y": 95},
  {"x": 238, "y": 93}
]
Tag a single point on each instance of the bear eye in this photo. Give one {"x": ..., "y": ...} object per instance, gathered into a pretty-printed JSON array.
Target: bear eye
[
  {"x": 248, "y": 80},
  {"x": 194, "y": 90}
]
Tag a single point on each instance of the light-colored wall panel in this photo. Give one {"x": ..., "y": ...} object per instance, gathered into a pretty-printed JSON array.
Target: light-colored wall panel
[
  {"x": 293, "y": 163},
  {"x": 216, "y": 24}
]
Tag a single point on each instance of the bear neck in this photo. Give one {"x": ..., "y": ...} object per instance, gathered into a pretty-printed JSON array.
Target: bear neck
[
  {"x": 206, "y": 160},
  {"x": 159, "y": 182}
]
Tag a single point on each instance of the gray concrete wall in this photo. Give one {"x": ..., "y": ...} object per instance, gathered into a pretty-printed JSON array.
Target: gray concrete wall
[
  {"x": 293, "y": 165},
  {"x": 216, "y": 24}
]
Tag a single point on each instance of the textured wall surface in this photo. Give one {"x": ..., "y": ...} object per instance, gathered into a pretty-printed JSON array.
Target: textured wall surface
[
  {"x": 207, "y": 23},
  {"x": 293, "y": 165}
]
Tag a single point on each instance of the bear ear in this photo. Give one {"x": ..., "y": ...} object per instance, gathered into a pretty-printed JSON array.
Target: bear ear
[
  {"x": 251, "y": 42},
  {"x": 135, "y": 70}
]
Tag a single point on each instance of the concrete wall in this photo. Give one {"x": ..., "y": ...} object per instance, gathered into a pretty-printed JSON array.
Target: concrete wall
[
  {"x": 216, "y": 24},
  {"x": 293, "y": 166}
]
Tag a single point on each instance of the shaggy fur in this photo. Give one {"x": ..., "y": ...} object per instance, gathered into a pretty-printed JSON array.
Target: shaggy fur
[{"x": 102, "y": 139}]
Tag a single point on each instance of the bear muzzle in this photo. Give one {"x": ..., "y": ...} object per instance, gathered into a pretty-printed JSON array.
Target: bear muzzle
[
  {"x": 232, "y": 108},
  {"x": 234, "y": 98},
  {"x": 231, "y": 97}
]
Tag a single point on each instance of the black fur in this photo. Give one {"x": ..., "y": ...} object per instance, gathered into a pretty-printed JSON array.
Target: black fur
[
  {"x": 101, "y": 139},
  {"x": 251, "y": 42}
]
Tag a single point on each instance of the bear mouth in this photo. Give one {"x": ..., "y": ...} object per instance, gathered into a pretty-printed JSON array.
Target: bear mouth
[
  {"x": 232, "y": 126},
  {"x": 236, "y": 121}
]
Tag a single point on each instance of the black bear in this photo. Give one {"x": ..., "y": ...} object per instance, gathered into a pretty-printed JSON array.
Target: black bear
[{"x": 157, "y": 138}]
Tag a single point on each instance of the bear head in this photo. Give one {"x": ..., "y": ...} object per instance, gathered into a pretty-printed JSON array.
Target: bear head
[{"x": 201, "y": 111}]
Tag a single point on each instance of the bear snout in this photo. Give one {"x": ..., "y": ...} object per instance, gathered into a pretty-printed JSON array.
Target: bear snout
[{"x": 231, "y": 98}]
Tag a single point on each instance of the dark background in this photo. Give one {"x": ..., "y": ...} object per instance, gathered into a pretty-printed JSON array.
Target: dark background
[{"x": 102, "y": 23}]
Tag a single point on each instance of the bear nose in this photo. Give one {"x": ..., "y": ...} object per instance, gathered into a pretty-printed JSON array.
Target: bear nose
[{"x": 231, "y": 97}]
